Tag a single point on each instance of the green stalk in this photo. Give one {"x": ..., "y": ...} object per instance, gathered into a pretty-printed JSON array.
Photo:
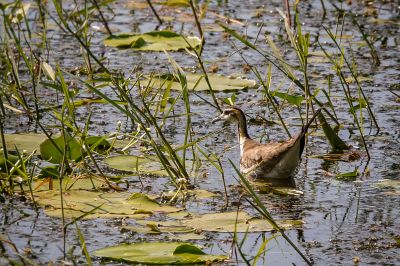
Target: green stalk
[
  {"x": 154, "y": 12},
  {"x": 355, "y": 78},
  {"x": 203, "y": 40},
  {"x": 83, "y": 244}
]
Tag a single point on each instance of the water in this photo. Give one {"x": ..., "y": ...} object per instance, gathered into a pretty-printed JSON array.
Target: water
[{"x": 343, "y": 221}]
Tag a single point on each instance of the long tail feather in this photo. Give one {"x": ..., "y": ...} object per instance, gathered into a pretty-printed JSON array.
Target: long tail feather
[{"x": 305, "y": 128}]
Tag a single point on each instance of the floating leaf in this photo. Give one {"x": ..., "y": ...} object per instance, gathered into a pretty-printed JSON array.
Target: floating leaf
[
  {"x": 345, "y": 156},
  {"x": 197, "y": 82},
  {"x": 158, "y": 253},
  {"x": 182, "y": 3},
  {"x": 202, "y": 194},
  {"x": 78, "y": 202},
  {"x": 277, "y": 189},
  {"x": 180, "y": 215},
  {"x": 49, "y": 151},
  {"x": 159, "y": 228},
  {"x": 132, "y": 163},
  {"x": 149, "y": 165},
  {"x": 29, "y": 141},
  {"x": 233, "y": 221},
  {"x": 153, "y": 41},
  {"x": 173, "y": 229},
  {"x": 188, "y": 249},
  {"x": 349, "y": 176},
  {"x": 54, "y": 153},
  {"x": 76, "y": 183}
]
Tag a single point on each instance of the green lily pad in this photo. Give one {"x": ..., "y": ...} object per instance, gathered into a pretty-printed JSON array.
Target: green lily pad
[
  {"x": 202, "y": 194},
  {"x": 68, "y": 213},
  {"x": 68, "y": 183},
  {"x": 153, "y": 41},
  {"x": 159, "y": 228},
  {"x": 158, "y": 253},
  {"x": 117, "y": 204},
  {"x": 54, "y": 153},
  {"x": 132, "y": 163},
  {"x": 172, "y": 229},
  {"x": 185, "y": 237},
  {"x": 51, "y": 153},
  {"x": 149, "y": 165},
  {"x": 181, "y": 3},
  {"x": 197, "y": 82},
  {"x": 179, "y": 215},
  {"x": 233, "y": 221},
  {"x": 29, "y": 141},
  {"x": 349, "y": 176}
]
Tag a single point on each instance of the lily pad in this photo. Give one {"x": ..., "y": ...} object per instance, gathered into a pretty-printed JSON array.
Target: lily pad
[
  {"x": 78, "y": 202},
  {"x": 54, "y": 153},
  {"x": 348, "y": 176},
  {"x": 233, "y": 221},
  {"x": 175, "y": 3},
  {"x": 153, "y": 41},
  {"x": 159, "y": 228},
  {"x": 68, "y": 183},
  {"x": 173, "y": 230},
  {"x": 197, "y": 82},
  {"x": 149, "y": 164},
  {"x": 158, "y": 253},
  {"x": 132, "y": 163},
  {"x": 29, "y": 141},
  {"x": 202, "y": 194}
]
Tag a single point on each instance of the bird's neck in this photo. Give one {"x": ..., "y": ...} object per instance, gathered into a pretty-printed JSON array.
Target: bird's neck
[{"x": 242, "y": 131}]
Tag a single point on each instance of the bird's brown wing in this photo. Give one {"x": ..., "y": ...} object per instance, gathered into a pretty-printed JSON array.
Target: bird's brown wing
[{"x": 268, "y": 154}]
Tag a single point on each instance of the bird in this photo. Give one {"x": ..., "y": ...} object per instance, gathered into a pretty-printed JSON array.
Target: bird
[{"x": 269, "y": 161}]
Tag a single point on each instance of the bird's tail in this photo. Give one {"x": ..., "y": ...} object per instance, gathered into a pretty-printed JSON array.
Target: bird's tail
[{"x": 305, "y": 128}]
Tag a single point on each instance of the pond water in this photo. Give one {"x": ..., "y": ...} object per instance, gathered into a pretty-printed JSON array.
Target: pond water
[{"x": 343, "y": 221}]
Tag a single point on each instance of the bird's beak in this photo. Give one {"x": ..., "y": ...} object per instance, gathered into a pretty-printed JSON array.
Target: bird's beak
[{"x": 218, "y": 118}]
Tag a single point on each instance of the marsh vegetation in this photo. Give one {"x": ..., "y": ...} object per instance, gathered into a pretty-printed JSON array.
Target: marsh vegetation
[{"x": 109, "y": 154}]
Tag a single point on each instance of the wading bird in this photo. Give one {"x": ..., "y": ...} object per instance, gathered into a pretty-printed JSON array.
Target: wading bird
[{"x": 268, "y": 161}]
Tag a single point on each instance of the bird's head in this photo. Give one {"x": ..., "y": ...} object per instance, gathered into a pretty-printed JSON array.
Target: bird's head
[{"x": 229, "y": 114}]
